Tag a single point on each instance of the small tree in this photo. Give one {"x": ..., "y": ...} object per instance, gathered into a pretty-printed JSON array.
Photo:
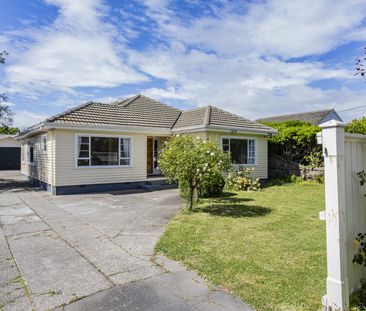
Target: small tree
[
  {"x": 6, "y": 115},
  {"x": 8, "y": 130},
  {"x": 191, "y": 161}
]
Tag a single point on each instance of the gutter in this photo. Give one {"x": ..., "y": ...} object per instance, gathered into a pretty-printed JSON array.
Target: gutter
[
  {"x": 44, "y": 126},
  {"x": 226, "y": 129}
]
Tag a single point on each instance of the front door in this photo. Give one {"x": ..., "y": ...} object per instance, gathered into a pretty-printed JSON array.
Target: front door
[{"x": 156, "y": 148}]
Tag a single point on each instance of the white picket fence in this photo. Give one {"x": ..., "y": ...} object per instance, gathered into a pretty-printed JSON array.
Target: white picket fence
[{"x": 345, "y": 211}]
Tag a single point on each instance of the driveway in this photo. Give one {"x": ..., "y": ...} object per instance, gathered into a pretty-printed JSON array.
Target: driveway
[{"x": 93, "y": 252}]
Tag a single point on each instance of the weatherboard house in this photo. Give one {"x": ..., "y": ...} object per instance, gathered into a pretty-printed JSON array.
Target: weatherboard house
[{"x": 102, "y": 147}]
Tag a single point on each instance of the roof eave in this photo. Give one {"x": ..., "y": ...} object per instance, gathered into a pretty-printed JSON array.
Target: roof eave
[
  {"x": 225, "y": 129},
  {"x": 106, "y": 128}
]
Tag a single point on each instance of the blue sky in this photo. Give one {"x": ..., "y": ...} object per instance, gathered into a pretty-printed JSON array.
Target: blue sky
[{"x": 253, "y": 58}]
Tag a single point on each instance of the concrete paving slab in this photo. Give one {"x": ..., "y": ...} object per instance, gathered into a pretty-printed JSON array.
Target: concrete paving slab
[
  {"x": 156, "y": 295},
  {"x": 25, "y": 227},
  {"x": 48, "y": 264}
]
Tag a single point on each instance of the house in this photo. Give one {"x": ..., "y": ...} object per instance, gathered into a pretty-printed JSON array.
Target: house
[
  {"x": 98, "y": 147},
  {"x": 9, "y": 153},
  {"x": 314, "y": 117}
]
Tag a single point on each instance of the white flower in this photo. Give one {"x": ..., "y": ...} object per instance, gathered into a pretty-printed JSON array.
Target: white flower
[
  {"x": 198, "y": 170},
  {"x": 212, "y": 154},
  {"x": 178, "y": 135},
  {"x": 204, "y": 168},
  {"x": 206, "y": 164},
  {"x": 197, "y": 137}
]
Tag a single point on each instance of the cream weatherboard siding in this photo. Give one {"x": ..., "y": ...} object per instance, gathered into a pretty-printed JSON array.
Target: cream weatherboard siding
[
  {"x": 9, "y": 142},
  {"x": 261, "y": 145},
  {"x": 67, "y": 174},
  {"x": 41, "y": 168}
]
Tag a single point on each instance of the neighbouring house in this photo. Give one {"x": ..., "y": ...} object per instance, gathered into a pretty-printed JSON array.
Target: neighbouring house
[
  {"x": 100, "y": 147},
  {"x": 9, "y": 153},
  {"x": 313, "y": 117}
]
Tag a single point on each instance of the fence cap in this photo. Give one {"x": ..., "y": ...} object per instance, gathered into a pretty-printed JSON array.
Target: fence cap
[{"x": 332, "y": 123}]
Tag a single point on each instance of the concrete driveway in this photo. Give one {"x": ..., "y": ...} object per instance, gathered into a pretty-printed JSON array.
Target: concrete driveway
[{"x": 93, "y": 252}]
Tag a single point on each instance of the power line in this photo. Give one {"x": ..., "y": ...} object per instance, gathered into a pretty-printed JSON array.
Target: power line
[{"x": 354, "y": 108}]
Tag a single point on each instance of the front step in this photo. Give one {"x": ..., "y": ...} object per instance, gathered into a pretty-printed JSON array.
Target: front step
[{"x": 156, "y": 185}]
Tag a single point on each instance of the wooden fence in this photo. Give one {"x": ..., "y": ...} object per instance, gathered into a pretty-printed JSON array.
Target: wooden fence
[{"x": 345, "y": 214}]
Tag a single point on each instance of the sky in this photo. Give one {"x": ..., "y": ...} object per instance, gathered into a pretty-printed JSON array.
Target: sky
[{"x": 252, "y": 58}]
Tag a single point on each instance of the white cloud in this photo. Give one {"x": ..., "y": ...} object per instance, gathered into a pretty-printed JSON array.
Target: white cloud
[
  {"x": 77, "y": 50},
  {"x": 24, "y": 119},
  {"x": 239, "y": 59},
  {"x": 281, "y": 28}
]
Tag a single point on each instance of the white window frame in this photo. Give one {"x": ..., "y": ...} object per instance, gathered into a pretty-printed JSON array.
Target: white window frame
[
  {"x": 243, "y": 138},
  {"x": 102, "y": 166},
  {"x": 24, "y": 152},
  {"x": 43, "y": 144}
]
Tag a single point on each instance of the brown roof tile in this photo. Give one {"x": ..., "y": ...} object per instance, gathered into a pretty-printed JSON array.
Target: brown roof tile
[{"x": 313, "y": 117}]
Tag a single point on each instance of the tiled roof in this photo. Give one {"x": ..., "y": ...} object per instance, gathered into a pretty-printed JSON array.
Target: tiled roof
[
  {"x": 138, "y": 111},
  {"x": 226, "y": 119},
  {"x": 313, "y": 117},
  {"x": 190, "y": 118},
  {"x": 142, "y": 111}
]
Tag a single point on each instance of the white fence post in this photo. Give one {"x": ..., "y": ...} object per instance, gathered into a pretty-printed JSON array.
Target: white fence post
[{"x": 337, "y": 297}]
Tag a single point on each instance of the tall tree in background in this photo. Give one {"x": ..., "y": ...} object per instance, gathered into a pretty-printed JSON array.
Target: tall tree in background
[
  {"x": 360, "y": 65},
  {"x": 6, "y": 115}
]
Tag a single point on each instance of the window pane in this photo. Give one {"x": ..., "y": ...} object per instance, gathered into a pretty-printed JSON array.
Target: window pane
[
  {"x": 124, "y": 162},
  {"x": 239, "y": 151},
  {"x": 125, "y": 148},
  {"x": 31, "y": 154},
  {"x": 83, "y": 162},
  {"x": 84, "y": 147},
  {"x": 84, "y": 140},
  {"x": 84, "y": 154},
  {"x": 104, "y": 151}
]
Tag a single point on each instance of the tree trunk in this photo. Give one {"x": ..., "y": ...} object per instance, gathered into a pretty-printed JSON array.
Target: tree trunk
[{"x": 191, "y": 195}]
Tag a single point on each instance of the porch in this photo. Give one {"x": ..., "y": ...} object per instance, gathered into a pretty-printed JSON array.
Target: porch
[{"x": 153, "y": 147}]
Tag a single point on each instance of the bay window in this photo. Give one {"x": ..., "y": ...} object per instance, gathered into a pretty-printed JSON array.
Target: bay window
[
  {"x": 103, "y": 151},
  {"x": 242, "y": 151}
]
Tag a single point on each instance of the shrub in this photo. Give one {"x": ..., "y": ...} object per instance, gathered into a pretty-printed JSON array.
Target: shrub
[
  {"x": 357, "y": 126},
  {"x": 242, "y": 180},
  {"x": 192, "y": 162},
  {"x": 295, "y": 140},
  {"x": 212, "y": 187}
]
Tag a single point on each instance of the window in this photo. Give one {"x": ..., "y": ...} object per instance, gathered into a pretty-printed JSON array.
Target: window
[
  {"x": 124, "y": 158},
  {"x": 103, "y": 151},
  {"x": 30, "y": 154},
  {"x": 242, "y": 151},
  {"x": 44, "y": 143}
]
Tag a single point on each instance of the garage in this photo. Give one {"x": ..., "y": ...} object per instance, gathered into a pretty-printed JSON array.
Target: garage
[{"x": 9, "y": 153}]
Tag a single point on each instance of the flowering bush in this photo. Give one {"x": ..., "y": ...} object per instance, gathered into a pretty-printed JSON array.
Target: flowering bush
[
  {"x": 360, "y": 239},
  {"x": 241, "y": 179},
  {"x": 360, "y": 256},
  {"x": 192, "y": 162},
  {"x": 212, "y": 187}
]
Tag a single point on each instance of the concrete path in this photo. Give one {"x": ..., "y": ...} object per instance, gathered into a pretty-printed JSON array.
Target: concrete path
[{"x": 93, "y": 252}]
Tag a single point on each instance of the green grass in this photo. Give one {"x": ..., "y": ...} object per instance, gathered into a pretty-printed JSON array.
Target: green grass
[{"x": 266, "y": 247}]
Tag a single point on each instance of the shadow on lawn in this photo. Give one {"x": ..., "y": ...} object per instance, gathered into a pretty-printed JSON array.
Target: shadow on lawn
[{"x": 230, "y": 206}]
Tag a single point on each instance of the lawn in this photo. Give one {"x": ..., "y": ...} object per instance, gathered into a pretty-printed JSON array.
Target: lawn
[{"x": 266, "y": 247}]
